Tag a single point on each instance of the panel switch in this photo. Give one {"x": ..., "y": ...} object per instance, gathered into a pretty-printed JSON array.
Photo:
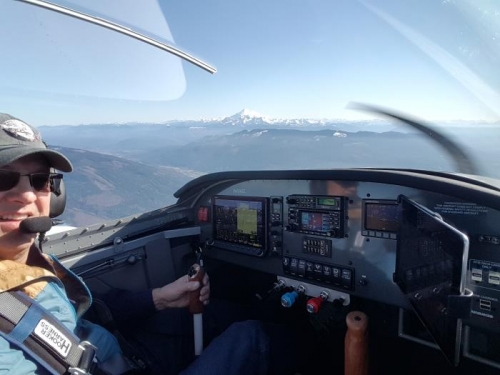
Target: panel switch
[
  {"x": 494, "y": 278},
  {"x": 477, "y": 274}
]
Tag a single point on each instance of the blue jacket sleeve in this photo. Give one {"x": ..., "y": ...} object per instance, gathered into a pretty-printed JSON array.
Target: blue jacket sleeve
[
  {"x": 14, "y": 361},
  {"x": 126, "y": 305}
]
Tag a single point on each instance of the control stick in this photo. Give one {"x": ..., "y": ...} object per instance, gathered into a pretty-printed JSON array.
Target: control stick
[
  {"x": 196, "y": 273},
  {"x": 356, "y": 344}
]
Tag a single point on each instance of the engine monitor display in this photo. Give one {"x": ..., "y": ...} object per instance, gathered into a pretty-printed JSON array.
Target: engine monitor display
[
  {"x": 382, "y": 216},
  {"x": 240, "y": 223}
]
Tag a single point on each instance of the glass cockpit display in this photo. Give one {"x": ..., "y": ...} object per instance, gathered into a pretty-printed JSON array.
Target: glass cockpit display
[
  {"x": 381, "y": 216},
  {"x": 316, "y": 215},
  {"x": 315, "y": 221},
  {"x": 240, "y": 223}
]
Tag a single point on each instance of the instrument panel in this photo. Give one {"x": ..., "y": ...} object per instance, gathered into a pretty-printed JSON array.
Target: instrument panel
[
  {"x": 418, "y": 241},
  {"x": 343, "y": 233}
]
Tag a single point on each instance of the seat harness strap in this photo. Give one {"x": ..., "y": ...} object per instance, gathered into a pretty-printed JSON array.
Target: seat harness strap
[{"x": 30, "y": 327}]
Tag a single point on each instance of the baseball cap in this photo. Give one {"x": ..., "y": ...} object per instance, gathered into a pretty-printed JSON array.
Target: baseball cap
[{"x": 18, "y": 139}]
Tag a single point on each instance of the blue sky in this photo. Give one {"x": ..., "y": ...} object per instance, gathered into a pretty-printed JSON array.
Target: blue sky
[{"x": 436, "y": 60}]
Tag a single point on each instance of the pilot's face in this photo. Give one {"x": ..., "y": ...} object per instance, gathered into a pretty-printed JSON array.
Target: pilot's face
[
  {"x": 18, "y": 203},
  {"x": 335, "y": 188}
]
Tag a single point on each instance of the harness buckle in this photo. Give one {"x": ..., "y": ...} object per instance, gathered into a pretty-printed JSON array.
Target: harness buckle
[{"x": 88, "y": 360}]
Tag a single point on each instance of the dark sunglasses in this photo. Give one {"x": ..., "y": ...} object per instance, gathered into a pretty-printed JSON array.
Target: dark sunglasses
[{"x": 39, "y": 181}]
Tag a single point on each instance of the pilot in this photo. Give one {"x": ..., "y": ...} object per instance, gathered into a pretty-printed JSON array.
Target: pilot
[{"x": 52, "y": 299}]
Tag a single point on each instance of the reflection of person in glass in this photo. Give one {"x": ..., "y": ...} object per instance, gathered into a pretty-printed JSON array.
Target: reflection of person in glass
[{"x": 347, "y": 189}]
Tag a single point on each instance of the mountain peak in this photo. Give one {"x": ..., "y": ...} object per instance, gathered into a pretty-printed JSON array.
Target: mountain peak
[{"x": 247, "y": 114}]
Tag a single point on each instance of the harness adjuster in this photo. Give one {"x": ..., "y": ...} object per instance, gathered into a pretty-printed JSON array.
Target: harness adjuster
[{"x": 88, "y": 360}]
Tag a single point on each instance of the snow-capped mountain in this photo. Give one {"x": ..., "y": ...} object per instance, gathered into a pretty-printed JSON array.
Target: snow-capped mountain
[
  {"x": 247, "y": 114},
  {"x": 248, "y": 118},
  {"x": 244, "y": 119}
]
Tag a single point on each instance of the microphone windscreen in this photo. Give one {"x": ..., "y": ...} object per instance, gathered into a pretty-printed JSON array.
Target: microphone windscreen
[{"x": 40, "y": 224}]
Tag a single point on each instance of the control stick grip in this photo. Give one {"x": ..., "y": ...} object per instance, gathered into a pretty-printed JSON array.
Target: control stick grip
[
  {"x": 195, "y": 273},
  {"x": 356, "y": 344}
]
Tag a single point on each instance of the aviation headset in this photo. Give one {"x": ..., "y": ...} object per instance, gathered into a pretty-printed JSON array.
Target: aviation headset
[{"x": 57, "y": 198}]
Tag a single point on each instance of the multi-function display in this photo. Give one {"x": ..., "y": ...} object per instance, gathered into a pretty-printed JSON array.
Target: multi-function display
[{"x": 240, "y": 223}]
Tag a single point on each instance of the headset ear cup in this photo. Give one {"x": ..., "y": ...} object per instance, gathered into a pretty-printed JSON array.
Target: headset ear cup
[{"x": 58, "y": 200}]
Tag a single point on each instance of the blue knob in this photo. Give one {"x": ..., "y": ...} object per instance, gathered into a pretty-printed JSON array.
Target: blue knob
[{"x": 288, "y": 299}]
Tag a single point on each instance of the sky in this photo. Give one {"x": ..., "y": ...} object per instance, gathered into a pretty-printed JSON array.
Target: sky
[{"x": 435, "y": 60}]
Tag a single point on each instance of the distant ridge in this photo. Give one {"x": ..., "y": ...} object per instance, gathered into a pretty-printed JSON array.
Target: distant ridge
[
  {"x": 125, "y": 169},
  {"x": 104, "y": 187},
  {"x": 249, "y": 117}
]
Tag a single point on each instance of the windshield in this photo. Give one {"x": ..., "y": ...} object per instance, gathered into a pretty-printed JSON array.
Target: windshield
[{"x": 138, "y": 121}]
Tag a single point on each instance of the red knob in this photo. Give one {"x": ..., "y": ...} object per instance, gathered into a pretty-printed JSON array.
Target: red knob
[{"x": 314, "y": 304}]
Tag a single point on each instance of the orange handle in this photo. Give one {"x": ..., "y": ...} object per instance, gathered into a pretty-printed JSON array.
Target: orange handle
[
  {"x": 196, "y": 273},
  {"x": 356, "y": 344}
]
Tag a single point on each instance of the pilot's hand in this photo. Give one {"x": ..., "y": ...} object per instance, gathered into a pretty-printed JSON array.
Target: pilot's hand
[{"x": 176, "y": 294}]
